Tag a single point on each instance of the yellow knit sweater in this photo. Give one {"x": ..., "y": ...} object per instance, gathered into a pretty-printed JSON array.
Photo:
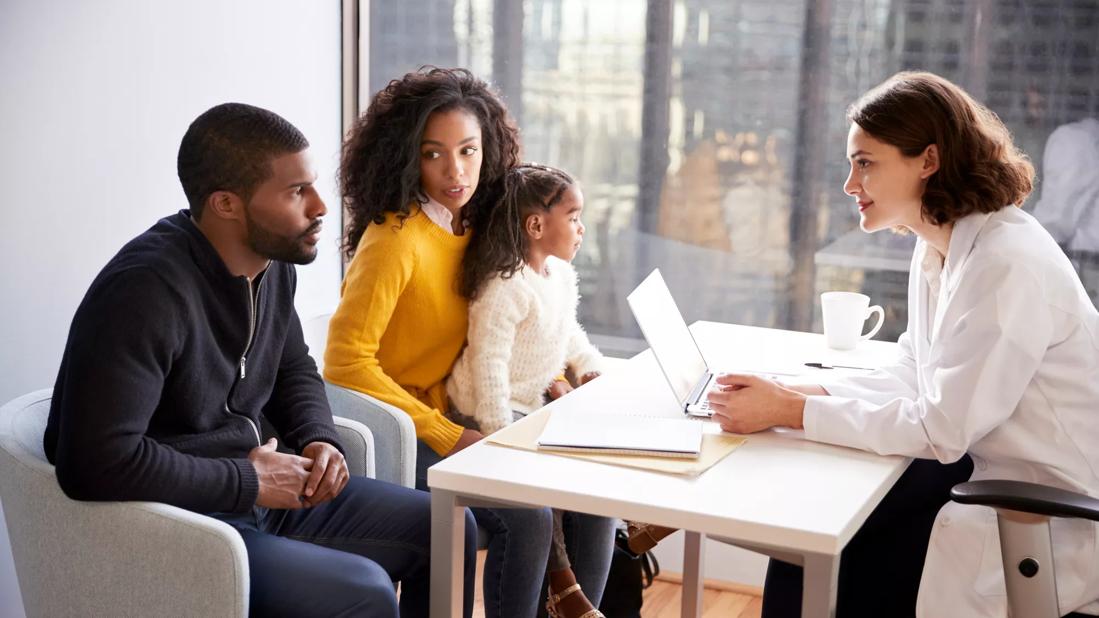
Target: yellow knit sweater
[{"x": 401, "y": 322}]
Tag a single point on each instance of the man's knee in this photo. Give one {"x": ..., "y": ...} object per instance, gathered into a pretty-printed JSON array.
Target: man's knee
[{"x": 364, "y": 588}]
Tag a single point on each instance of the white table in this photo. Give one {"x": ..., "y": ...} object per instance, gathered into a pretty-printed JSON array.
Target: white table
[{"x": 777, "y": 494}]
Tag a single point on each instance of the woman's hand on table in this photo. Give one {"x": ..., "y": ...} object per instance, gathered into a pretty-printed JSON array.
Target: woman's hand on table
[
  {"x": 468, "y": 438},
  {"x": 744, "y": 403}
]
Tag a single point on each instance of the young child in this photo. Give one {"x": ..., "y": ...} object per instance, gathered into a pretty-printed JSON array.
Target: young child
[{"x": 524, "y": 334}]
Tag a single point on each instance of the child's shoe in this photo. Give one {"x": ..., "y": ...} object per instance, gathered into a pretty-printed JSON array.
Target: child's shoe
[{"x": 552, "y": 601}]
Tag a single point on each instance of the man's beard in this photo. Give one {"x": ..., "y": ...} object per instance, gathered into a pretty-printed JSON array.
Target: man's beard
[{"x": 275, "y": 247}]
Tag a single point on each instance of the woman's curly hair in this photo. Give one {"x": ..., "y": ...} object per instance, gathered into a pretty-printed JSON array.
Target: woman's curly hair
[
  {"x": 380, "y": 161},
  {"x": 980, "y": 168},
  {"x": 500, "y": 244}
]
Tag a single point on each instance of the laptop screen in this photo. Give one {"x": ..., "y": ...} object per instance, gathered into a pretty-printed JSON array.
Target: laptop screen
[{"x": 667, "y": 334}]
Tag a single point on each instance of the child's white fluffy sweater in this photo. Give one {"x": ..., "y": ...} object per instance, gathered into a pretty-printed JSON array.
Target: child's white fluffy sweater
[{"x": 523, "y": 332}]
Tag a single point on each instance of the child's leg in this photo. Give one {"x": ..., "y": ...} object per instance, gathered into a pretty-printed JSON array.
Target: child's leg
[
  {"x": 558, "y": 557},
  {"x": 587, "y": 533},
  {"x": 456, "y": 415}
]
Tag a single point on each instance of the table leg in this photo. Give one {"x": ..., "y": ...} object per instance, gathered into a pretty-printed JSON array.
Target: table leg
[
  {"x": 447, "y": 551},
  {"x": 819, "y": 586},
  {"x": 694, "y": 549}
]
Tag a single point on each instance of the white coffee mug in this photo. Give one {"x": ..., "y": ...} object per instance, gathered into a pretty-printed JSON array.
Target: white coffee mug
[{"x": 845, "y": 313}]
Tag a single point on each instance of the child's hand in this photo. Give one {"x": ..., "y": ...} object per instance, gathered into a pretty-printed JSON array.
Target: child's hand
[
  {"x": 588, "y": 377},
  {"x": 558, "y": 389}
]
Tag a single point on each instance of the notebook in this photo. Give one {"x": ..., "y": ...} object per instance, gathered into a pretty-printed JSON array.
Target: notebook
[{"x": 579, "y": 432}]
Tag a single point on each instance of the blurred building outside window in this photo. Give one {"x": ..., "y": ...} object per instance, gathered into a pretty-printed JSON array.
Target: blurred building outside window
[{"x": 709, "y": 135}]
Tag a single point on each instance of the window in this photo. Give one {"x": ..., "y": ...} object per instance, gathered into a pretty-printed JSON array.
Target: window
[{"x": 709, "y": 135}]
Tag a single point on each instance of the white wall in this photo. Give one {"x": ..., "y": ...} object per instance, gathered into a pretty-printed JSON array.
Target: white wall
[
  {"x": 94, "y": 98},
  {"x": 720, "y": 561}
]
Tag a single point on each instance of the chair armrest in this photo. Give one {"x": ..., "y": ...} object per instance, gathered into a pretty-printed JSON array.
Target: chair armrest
[
  {"x": 358, "y": 442},
  {"x": 394, "y": 433},
  {"x": 1027, "y": 498},
  {"x": 123, "y": 558}
]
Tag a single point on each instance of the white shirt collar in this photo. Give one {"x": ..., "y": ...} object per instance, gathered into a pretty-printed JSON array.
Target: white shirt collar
[
  {"x": 962, "y": 238},
  {"x": 931, "y": 265},
  {"x": 438, "y": 214}
]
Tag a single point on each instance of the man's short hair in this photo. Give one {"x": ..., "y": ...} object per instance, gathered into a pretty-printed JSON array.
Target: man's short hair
[{"x": 230, "y": 148}]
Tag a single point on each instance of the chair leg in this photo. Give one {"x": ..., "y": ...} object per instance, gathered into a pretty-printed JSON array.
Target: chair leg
[{"x": 1027, "y": 553}]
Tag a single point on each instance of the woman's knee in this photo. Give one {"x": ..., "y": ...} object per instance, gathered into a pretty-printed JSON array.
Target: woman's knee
[
  {"x": 471, "y": 530},
  {"x": 601, "y": 527},
  {"x": 534, "y": 521},
  {"x": 593, "y": 531},
  {"x": 537, "y": 521}
]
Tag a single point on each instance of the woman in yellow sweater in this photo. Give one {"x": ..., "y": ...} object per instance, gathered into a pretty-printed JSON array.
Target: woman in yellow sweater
[{"x": 418, "y": 171}]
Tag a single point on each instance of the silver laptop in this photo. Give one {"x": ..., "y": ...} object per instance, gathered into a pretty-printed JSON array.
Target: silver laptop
[{"x": 672, "y": 344}]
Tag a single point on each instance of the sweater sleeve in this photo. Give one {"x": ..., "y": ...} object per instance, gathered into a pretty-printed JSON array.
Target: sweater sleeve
[
  {"x": 382, "y": 267},
  {"x": 493, "y": 319},
  {"x": 122, "y": 344},
  {"x": 298, "y": 407}
]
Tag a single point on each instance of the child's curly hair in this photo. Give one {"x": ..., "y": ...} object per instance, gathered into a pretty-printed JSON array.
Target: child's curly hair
[
  {"x": 380, "y": 161},
  {"x": 980, "y": 169},
  {"x": 500, "y": 244}
]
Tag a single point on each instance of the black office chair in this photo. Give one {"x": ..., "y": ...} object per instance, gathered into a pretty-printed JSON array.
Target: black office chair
[{"x": 1022, "y": 512}]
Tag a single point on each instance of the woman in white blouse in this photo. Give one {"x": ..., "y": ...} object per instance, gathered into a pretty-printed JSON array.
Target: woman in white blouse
[{"x": 1001, "y": 356}]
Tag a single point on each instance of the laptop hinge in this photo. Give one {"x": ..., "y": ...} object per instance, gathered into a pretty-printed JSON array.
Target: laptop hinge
[{"x": 697, "y": 391}]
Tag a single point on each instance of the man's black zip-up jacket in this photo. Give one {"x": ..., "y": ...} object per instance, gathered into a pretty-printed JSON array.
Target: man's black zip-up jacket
[{"x": 168, "y": 366}]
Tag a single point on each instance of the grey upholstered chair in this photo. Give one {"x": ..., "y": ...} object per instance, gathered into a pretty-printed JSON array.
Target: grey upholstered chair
[
  {"x": 1022, "y": 512},
  {"x": 394, "y": 433},
  {"x": 120, "y": 558}
]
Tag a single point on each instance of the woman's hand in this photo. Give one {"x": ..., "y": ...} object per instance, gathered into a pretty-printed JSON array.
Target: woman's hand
[
  {"x": 469, "y": 437},
  {"x": 748, "y": 403}
]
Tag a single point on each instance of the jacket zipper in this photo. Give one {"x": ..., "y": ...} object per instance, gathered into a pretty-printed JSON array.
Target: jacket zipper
[
  {"x": 251, "y": 326},
  {"x": 244, "y": 355},
  {"x": 255, "y": 429}
]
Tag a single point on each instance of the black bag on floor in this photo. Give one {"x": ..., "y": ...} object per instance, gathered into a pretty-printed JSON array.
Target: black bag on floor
[{"x": 629, "y": 575}]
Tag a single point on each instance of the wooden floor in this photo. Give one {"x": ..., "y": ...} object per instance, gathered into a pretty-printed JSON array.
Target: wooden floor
[{"x": 662, "y": 599}]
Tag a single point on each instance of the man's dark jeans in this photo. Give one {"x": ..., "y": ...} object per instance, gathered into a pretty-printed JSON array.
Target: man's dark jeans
[{"x": 342, "y": 557}]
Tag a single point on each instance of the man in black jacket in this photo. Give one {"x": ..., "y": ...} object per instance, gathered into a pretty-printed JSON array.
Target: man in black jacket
[{"x": 186, "y": 338}]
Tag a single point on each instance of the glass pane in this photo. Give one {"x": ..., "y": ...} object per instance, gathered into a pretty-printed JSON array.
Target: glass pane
[{"x": 709, "y": 135}]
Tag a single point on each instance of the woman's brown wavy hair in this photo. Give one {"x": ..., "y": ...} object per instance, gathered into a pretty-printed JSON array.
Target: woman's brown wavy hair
[
  {"x": 380, "y": 161},
  {"x": 980, "y": 169}
]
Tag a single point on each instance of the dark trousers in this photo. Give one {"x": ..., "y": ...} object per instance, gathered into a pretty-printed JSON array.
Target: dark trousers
[
  {"x": 880, "y": 568},
  {"x": 342, "y": 558},
  {"x": 518, "y": 549}
]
